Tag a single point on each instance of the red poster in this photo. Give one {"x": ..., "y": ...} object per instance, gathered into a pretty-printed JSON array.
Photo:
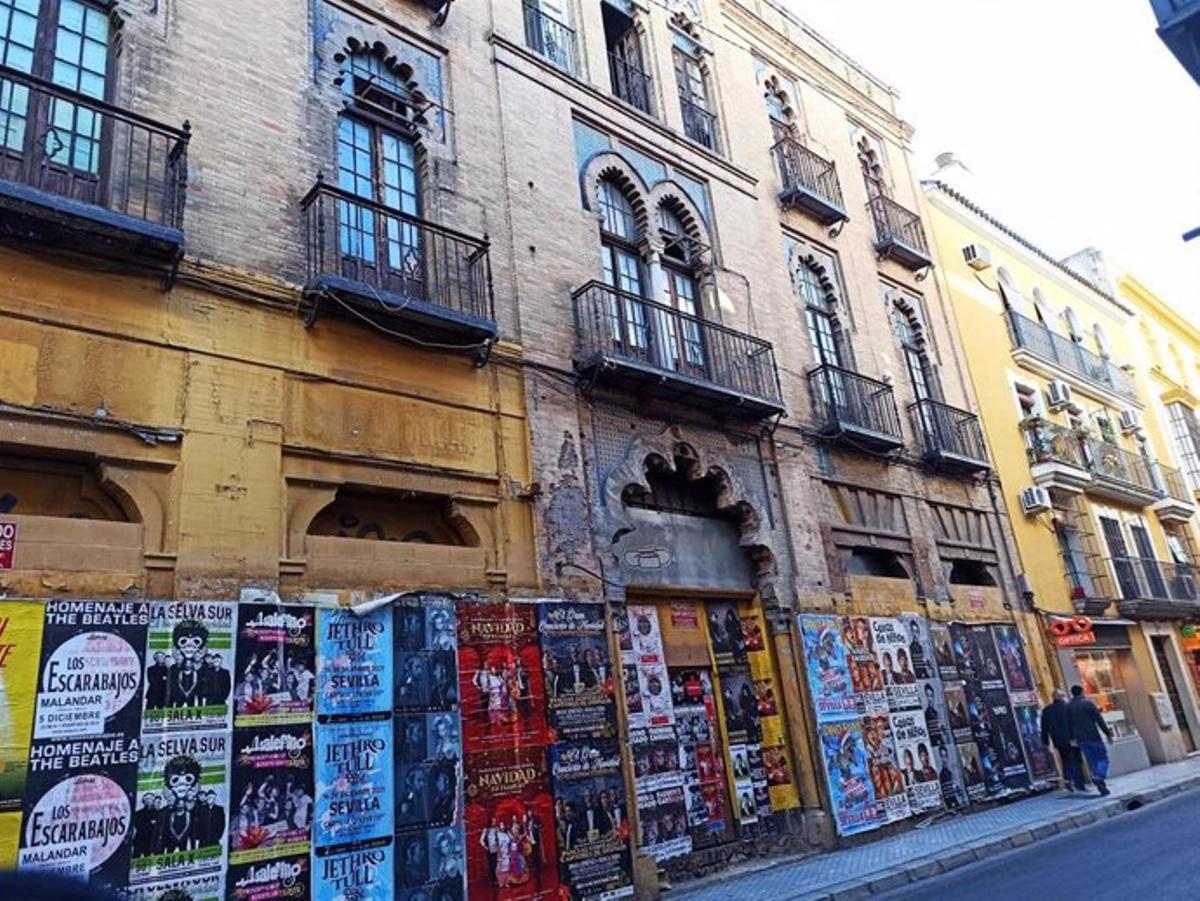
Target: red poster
[
  {"x": 511, "y": 852},
  {"x": 8, "y": 544}
]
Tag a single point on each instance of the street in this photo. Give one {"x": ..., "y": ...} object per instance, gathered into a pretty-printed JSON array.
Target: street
[{"x": 1149, "y": 850}]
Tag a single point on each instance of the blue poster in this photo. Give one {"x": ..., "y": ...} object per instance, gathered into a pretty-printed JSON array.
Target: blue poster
[
  {"x": 829, "y": 679},
  {"x": 850, "y": 789},
  {"x": 354, "y": 662},
  {"x": 354, "y": 778},
  {"x": 360, "y": 874}
]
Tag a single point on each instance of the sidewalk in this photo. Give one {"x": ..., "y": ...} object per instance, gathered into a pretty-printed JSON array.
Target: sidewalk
[{"x": 893, "y": 862}]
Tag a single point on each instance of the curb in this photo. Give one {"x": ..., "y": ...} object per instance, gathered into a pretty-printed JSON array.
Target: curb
[{"x": 922, "y": 868}]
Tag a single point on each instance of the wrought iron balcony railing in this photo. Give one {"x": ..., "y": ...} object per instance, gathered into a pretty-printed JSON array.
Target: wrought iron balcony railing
[
  {"x": 548, "y": 37},
  {"x": 809, "y": 181},
  {"x": 654, "y": 347},
  {"x": 951, "y": 437},
  {"x": 629, "y": 82},
  {"x": 699, "y": 124},
  {"x": 1140, "y": 578},
  {"x": 387, "y": 263},
  {"x": 852, "y": 406},
  {"x": 1070, "y": 355},
  {"x": 1175, "y": 485},
  {"x": 75, "y": 158},
  {"x": 1114, "y": 464},
  {"x": 899, "y": 233},
  {"x": 1050, "y": 442}
]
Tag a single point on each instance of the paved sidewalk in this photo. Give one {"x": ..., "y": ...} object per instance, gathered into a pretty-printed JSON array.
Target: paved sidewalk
[{"x": 890, "y": 863}]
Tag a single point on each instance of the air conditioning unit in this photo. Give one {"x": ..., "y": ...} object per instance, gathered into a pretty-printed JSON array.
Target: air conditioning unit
[
  {"x": 1058, "y": 394},
  {"x": 1035, "y": 500},
  {"x": 977, "y": 256},
  {"x": 1130, "y": 421}
]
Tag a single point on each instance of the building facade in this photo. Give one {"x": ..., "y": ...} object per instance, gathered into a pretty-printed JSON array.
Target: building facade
[
  {"x": 605, "y": 329},
  {"x": 1102, "y": 517}
]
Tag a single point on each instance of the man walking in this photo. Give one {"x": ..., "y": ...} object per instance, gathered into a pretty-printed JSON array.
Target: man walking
[
  {"x": 1086, "y": 726},
  {"x": 1056, "y": 730}
]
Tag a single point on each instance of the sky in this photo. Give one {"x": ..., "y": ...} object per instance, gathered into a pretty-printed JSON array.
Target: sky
[{"x": 1079, "y": 126}]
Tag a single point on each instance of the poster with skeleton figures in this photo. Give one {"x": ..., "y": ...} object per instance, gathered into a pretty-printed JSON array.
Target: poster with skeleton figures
[{"x": 189, "y": 667}]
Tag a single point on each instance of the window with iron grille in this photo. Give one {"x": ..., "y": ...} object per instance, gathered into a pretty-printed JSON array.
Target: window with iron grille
[{"x": 699, "y": 120}]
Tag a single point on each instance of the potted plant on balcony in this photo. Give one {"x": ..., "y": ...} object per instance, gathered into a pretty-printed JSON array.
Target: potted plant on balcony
[{"x": 1038, "y": 450}]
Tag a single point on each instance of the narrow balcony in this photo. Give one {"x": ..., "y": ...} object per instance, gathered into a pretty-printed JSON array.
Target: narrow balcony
[
  {"x": 550, "y": 38},
  {"x": 88, "y": 178},
  {"x": 1179, "y": 29},
  {"x": 372, "y": 263},
  {"x": 952, "y": 439},
  {"x": 810, "y": 182},
  {"x": 855, "y": 409},
  {"x": 1155, "y": 589},
  {"x": 629, "y": 83},
  {"x": 1178, "y": 504},
  {"x": 1120, "y": 475},
  {"x": 1059, "y": 356},
  {"x": 699, "y": 124},
  {"x": 1056, "y": 457},
  {"x": 636, "y": 344},
  {"x": 899, "y": 234}
]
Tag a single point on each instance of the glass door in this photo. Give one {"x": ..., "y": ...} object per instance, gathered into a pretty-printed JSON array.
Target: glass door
[
  {"x": 1168, "y": 675},
  {"x": 1118, "y": 551},
  {"x": 1145, "y": 550}
]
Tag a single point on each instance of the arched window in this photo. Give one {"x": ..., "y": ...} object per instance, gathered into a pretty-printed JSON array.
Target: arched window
[
  {"x": 779, "y": 109},
  {"x": 1010, "y": 294},
  {"x": 685, "y": 337},
  {"x": 622, "y": 264},
  {"x": 1042, "y": 309},
  {"x": 376, "y": 160},
  {"x": 1102, "y": 345},
  {"x": 824, "y": 329},
  {"x": 870, "y": 161},
  {"x": 910, "y": 332}
]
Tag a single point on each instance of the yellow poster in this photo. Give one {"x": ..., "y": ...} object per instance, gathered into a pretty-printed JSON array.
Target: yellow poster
[
  {"x": 781, "y": 779},
  {"x": 20, "y": 652}
]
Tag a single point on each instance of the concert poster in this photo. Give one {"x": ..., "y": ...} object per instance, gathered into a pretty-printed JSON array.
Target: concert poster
[
  {"x": 916, "y": 755},
  {"x": 355, "y": 783},
  {"x": 275, "y": 667},
  {"x": 866, "y": 675},
  {"x": 779, "y": 792},
  {"x": 844, "y": 753},
  {"x": 83, "y": 760},
  {"x": 1014, "y": 664},
  {"x": 891, "y": 642},
  {"x": 425, "y": 667},
  {"x": 20, "y": 652},
  {"x": 189, "y": 666},
  {"x": 354, "y": 662},
  {"x": 834, "y": 694},
  {"x": 663, "y": 817},
  {"x": 935, "y": 709},
  {"x": 739, "y": 704},
  {"x": 510, "y": 825},
  {"x": 726, "y": 633},
  {"x": 366, "y": 873},
  {"x": 577, "y": 670},
  {"x": 281, "y": 879},
  {"x": 887, "y": 782},
  {"x": 181, "y": 815},
  {"x": 1042, "y": 767},
  {"x": 943, "y": 651},
  {"x": 206, "y": 886},
  {"x": 271, "y": 793},
  {"x": 702, "y": 761},
  {"x": 432, "y": 864}
]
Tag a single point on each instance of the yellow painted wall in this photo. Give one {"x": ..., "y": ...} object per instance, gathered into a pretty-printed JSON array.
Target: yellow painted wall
[{"x": 264, "y": 410}]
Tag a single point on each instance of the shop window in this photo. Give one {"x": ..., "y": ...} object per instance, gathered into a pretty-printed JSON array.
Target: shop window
[
  {"x": 872, "y": 561},
  {"x": 68, "y": 490},
  {"x": 1102, "y": 681},
  {"x": 389, "y": 516},
  {"x": 971, "y": 572}
]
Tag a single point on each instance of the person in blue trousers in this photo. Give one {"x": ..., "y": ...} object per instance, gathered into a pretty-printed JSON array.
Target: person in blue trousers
[{"x": 1087, "y": 725}]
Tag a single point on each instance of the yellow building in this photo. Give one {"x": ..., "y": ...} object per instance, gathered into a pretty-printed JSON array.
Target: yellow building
[{"x": 1100, "y": 518}]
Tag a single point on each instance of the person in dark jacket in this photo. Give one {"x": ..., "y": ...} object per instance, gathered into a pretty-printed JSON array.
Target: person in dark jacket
[
  {"x": 1056, "y": 730},
  {"x": 1086, "y": 727}
]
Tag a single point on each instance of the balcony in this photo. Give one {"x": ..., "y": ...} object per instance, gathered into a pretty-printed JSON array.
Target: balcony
[
  {"x": 952, "y": 439},
  {"x": 1179, "y": 28},
  {"x": 1120, "y": 475},
  {"x": 633, "y": 343},
  {"x": 1056, "y": 458},
  {"x": 699, "y": 124},
  {"x": 1155, "y": 589},
  {"x": 550, "y": 38},
  {"x": 1178, "y": 504},
  {"x": 89, "y": 178},
  {"x": 372, "y": 263},
  {"x": 810, "y": 183},
  {"x": 899, "y": 234},
  {"x": 855, "y": 409},
  {"x": 629, "y": 83},
  {"x": 1056, "y": 356}
]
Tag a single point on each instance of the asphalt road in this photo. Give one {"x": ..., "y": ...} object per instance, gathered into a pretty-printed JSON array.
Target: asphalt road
[{"x": 1149, "y": 853}]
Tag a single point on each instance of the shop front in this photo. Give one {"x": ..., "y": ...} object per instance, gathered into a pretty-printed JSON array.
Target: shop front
[{"x": 1099, "y": 656}]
